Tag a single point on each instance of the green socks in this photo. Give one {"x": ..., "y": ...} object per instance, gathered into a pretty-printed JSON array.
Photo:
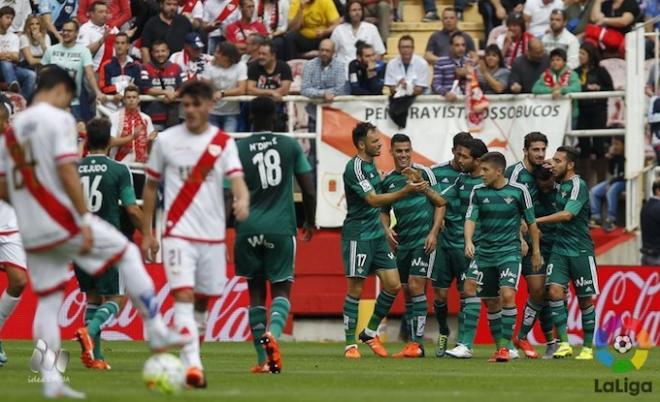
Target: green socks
[
  {"x": 495, "y": 325},
  {"x": 559, "y": 318},
  {"x": 257, "y": 319},
  {"x": 383, "y": 305},
  {"x": 461, "y": 319},
  {"x": 531, "y": 311},
  {"x": 420, "y": 311},
  {"x": 588, "y": 325},
  {"x": 89, "y": 316},
  {"x": 279, "y": 312},
  {"x": 101, "y": 315},
  {"x": 546, "y": 322},
  {"x": 350, "y": 318},
  {"x": 508, "y": 323},
  {"x": 441, "y": 315},
  {"x": 471, "y": 317}
]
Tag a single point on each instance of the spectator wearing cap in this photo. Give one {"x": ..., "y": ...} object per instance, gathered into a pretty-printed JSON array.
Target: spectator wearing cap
[
  {"x": 310, "y": 21},
  {"x": 450, "y": 72},
  {"x": 191, "y": 59},
  {"x": 119, "y": 11},
  {"x": 515, "y": 42},
  {"x": 527, "y": 69},
  {"x": 537, "y": 15},
  {"x": 239, "y": 31},
  {"x": 366, "y": 74},
  {"x": 558, "y": 79},
  {"x": 650, "y": 222},
  {"x": 168, "y": 26},
  {"x": 560, "y": 38},
  {"x": 439, "y": 44},
  {"x": 354, "y": 29},
  {"x": 116, "y": 74}
]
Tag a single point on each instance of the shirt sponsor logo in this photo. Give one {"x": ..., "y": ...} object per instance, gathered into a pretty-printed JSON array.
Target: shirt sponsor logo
[
  {"x": 419, "y": 262},
  {"x": 583, "y": 282}
]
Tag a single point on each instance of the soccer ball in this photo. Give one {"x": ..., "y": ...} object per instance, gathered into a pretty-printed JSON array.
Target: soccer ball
[
  {"x": 164, "y": 372},
  {"x": 622, "y": 344}
]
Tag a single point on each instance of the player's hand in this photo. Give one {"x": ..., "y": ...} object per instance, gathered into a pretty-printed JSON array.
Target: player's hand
[
  {"x": 469, "y": 250},
  {"x": 537, "y": 262},
  {"x": 241, "y": 209},
  {"x": 412, "y": 174},
  {"x": 307, "y": 232},
  {"x": 87, "y": 240},
  {"x": 524, "y": 248},
  {"x": 416, "y": 187},
  {"x": 150, "y": 248},
  {"x": 430, "y": 243},
  {"x": 516, "y": 88},
  {"x": 390, "y": 235},
  {"x": 523, "y": 227}
]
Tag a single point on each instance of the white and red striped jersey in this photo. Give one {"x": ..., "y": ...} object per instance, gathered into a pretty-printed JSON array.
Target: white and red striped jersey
[
  {"x": 45, "y": 138},
  {"x": 8, "y": 223},
  {"x": 194, "y": 210}
]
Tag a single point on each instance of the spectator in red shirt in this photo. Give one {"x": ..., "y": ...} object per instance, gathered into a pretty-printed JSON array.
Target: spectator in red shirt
[
  {"x": 119, "y": 11},
  {"x": 238, "y": 31},
  {"x": 516, "y": 40}
]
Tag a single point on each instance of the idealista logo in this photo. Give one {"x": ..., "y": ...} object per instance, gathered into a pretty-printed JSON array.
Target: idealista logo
[
  {"x": 630, "y": 360},
  {"x": 45, "y": 359}
]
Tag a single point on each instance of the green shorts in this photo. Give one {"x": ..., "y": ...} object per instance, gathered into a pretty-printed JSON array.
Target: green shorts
[
  {"x": 449, "y": 264},
  {"x": 580, "y": 270},
  {"x": 106, "y": 284},
  {"x": 491, "y": 278},
  {"x": 414, "y": 262},
  {"x": 364, "y": 257},
  {"x": 271, "y": 256}
]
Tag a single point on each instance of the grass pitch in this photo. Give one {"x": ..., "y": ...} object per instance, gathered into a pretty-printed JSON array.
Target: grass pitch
[{"x": 318, "y": 372}]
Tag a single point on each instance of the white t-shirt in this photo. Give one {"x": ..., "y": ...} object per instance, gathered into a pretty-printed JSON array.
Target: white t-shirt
[
  {"x": 173, "y": 156},
  {"x": 566, "y": 41},
  {"x": 213, "y": 8},
  {"x": 191, "y": 68},
  {"x": 9, "y": 42},
  {"x": 540, "y": 14},
  {"x": 35, "y": 49},
  {"x": 268, "y": 15},
  {"x": 417, "y": 73},
  {"x": 48, "y": 137},
  {"x": 115, "y": 131},
  {"x": 344, "y": 39},
  {"x": 90, "y": 33},
  {"x": 223, "y": 79},
  {"x": 22, "y": 9},
  {"x": 8, "y": 224},
  {"x": 197, "y": 11}
]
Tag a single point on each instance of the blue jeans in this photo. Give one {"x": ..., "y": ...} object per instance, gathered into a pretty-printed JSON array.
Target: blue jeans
[
  {"x": 228, "y": 123},
  {"x": 25, "y": 77},
  {"x": 611, "y": 193},
  {"x": 429, "y": 6},
  {"x": 460, "y": 5}
]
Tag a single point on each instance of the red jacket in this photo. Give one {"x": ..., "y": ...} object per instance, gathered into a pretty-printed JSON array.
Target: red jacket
[{"x": 119, "y": 11}]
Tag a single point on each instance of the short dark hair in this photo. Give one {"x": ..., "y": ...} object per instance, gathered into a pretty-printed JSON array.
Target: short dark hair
[
  {"x": 158, "y": 42},
  {"x": 360, "y": 45},
  {"x": 542, "y": 173},
  {"x": 621, "y": 138},
  {"x": 262, "y": 113},
  {"x": 52, "y": 75},
  {"x": 198, "y": 90},
  {"x": 7, "y": 10},
  {"x": 572, "y": 153},
  {"x": 560, "y": 12},
  {"x": 406, "y": 37},
  {"x": 656, "y": 186},
  {"x": 349, "y": 3},
  {"x": 92, "y": 6},
  {"x": 450, "y": 8},
  {"x": 399, "y": 138},
  {"x": 516, "y": 18},
  {"x": 123, "y": 35},
  {"x": 269, "y": 44},
  {"x": 230, "y": 50},
  {"x": 241, "y": 3},
  {"x": 98, "y": 133},
  {"x": 477, "y": 148},
  {"x": 132, "y": 88},
  {"x": 74, "y": 22},
  {"x": 361, "y": 130},
  {"x": 462, "y": 138},
  {"x": 558, "y": 53},
  {"x": 495, "y": 158},
  {"x": 457, "y": 34},
  {"x": 534, "y": 136}
]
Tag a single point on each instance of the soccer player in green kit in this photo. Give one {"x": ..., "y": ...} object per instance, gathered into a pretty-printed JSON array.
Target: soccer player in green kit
[
  {"x": 534, "y": 146},
  {"x": 105, "y": 183},
  {"x": 446, "y": 175},
  {"x": 452, "y": 263},
  {"x": 572, "y": 257},
  {"x": 364, "y": 247},
  {"x": 418, "y": 222},
  {"x": 498, "y": 207},
  {"x": 265, "y": 248}
]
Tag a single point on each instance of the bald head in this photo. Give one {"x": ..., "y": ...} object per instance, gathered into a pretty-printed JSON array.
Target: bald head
[
  {"x": 535, "y": 50},
  {"x": 326, "y": 51}
]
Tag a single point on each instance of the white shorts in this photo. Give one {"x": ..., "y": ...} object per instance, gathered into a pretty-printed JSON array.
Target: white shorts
[
  {"x": 11, "y": 252},
  {"x": 50, "y": 269},
  {"x": 198, "y": 266}
]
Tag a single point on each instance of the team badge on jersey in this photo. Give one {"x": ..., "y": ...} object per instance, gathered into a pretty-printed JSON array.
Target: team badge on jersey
[{"x": 214, "y": 149}]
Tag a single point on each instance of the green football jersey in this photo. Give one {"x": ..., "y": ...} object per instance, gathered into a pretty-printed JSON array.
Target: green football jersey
[
  {"x": 362, "y": 220},
  {"x": 269, "y": 163},
  {"x": 499, "y": 212},
  {"x": 544, "y": 205},
  {"x": 446, "y": 175},
  {"x": 518, "y": 173},
  {"x": 458, "y": 197},
  {"x": 414, "y": 213},
  {"x": 105, "y": 183},
  {"x": 573, "y": 237}
]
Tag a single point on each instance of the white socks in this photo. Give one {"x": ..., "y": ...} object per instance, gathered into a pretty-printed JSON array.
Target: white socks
[
  {"x": 184, "y": 319},
  {"x": 139, "y": 285},
  {"x": 200, "y": 318},
  {"x": 45, "y": 328},
  {"x": 7, "y": 305}
]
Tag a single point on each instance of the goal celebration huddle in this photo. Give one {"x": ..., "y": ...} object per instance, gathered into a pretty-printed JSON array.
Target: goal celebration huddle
[{"x": 471, "y": 221}]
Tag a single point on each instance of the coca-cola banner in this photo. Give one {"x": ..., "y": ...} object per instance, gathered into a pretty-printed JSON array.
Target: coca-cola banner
[{"x": 627, "y": 292}]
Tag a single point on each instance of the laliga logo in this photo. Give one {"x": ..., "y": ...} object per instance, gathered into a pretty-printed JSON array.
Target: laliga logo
[{"x": 622, "y": 344}]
